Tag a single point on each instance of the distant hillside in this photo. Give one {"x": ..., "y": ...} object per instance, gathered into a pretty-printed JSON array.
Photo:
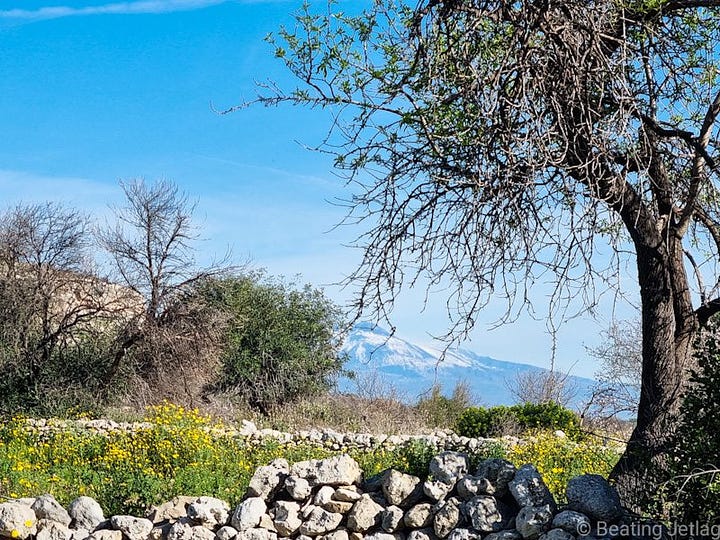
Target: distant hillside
[{"x": 412, "y": 369}]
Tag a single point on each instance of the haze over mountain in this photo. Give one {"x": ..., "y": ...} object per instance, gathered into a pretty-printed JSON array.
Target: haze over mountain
[{"x": 387, "y": 361}]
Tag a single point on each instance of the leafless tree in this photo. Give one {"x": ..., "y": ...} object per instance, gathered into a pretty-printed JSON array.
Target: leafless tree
[
  {"x": 152, "y": 249},
  {"x": 620, "y": 372},
  {"x": 492, "y": 145},
  {"x": 542, "y": 387},
  {"x": 49, "y": 296}
]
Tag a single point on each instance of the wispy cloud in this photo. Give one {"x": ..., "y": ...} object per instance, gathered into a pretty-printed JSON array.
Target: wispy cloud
[{"x": 115, "y": 8}]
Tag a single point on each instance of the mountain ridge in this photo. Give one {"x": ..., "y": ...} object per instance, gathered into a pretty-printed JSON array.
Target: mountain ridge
[{"x": 410, "y": 369}]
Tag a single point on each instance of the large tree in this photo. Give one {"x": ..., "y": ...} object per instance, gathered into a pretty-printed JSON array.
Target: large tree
[{"x": 494, "y": 144}]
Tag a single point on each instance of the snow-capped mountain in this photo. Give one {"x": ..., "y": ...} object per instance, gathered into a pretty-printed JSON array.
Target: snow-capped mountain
[{"x": 409, "y": 369}]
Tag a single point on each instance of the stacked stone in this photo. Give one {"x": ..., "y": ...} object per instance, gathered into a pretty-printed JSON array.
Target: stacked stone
[
  {"x": 322, "y": 438},
  {"x": 328, "y": 500}
]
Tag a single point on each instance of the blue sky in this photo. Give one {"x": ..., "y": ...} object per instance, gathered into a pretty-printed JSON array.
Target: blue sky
[{"x": 93, "y": 92}]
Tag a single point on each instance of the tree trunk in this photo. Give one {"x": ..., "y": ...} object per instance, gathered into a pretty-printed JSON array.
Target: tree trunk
[{"x": 669, "y": 328}]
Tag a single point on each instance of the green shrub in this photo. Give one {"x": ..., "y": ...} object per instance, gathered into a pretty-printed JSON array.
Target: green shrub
[
  {"x": 693, "y": 493},
  {"x": 440, "y": 411},
  {"x": 482, "y": 422},
  {"x": 502, "y": 420},
  {"x": 548, "y": 415},
  {"x": 282, "y": 342}
]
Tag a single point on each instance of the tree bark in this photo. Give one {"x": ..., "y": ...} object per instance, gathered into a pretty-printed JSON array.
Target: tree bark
[{"x": 669, "y": 329}]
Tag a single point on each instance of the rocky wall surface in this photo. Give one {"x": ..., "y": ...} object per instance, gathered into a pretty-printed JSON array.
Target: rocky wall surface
[
  {"x": 329, "y": 499},
  {"x": 325, "y": 438}
]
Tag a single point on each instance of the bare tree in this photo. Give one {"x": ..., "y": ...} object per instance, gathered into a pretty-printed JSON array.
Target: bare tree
[
  {"x": 495, "y": 144},
  {"x": 152, "y": 249},
  {"x": 620, "y": 372},
  {"x": 542, "y": 387},
  {"x": 49, "y": 296}
]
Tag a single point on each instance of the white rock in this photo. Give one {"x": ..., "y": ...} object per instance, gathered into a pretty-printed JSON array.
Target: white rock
[
  {"x": 86, "y": 513},
  {"x": 209, "y": 512},
  {"x": 298, "y": 488},
  {"x": 449, "y": 466},
  {"x": 248, "y": 513},
  {"x": 46, "y": 507},
  {"x": 320, "y": 522},
  {"x": 132, "y": 527},
  {"x": 419, "y": 516},
  {"x": 269, "y": 479},
  {"x": 333, "y": 471},
  {"x": 323, "y": 495},
  {"x": 364, "y": 515},
  {"x": 401, "y": 489},
  {"x": 52, "y": 530},
  {"x": 226, "y": 533},
  {"x": 287, "y": 520},
  {"x": 16, "y": 520}
]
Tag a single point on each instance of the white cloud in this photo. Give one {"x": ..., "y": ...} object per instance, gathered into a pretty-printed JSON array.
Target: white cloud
[{"x": 116, "y": 8}]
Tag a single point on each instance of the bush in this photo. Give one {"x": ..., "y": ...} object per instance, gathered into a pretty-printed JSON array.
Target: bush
[
  {"x": 693, "y": 494},
  {"x": 502, "y": 420},
  {"x": 441, "y": 411},
  {"x": 282, "y": 342},
  {"x": 548, "y": 415}
]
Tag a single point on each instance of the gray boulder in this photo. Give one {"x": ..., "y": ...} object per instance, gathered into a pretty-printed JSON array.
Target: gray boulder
[
  {"x": 487, "y": 514},
  {"x": 365, "y": 514},
  {"x": 419, "y": 516},
  {"x": 392, "y": 519},
  {"x": 133, "y": 528},
  {"x": 171, "y": 510},
  {"x": 248, "y": 513},
  {"x": 437, "y": 490},
  {"x": 593, "y": 496},
  {"x": 533, "y": 521},
  {"x": 338, "y": 507},
  {"x": 334, "y": 471},
  {"x": 557, "y": 534},
  {"x": 571, "y": 521},
  {"x": 340, "y": 534},
  {"x": 85, "y": 513},
  {"x": 401, "y": 489},
  {"x": 256, "y": 534},
  {"x": 346, "y": 494},
  {"x": 449, "y": 466},
  {"x": 447, "y": 516},
  {"x": 471, "y": 486},
  {"x": 209, "y": 512},
  {"x": 53, "y": 530},
  {"x": 268, "y": 480},
  {"x": 298, "y": 488},
  {"x": 499, "y": 473},
  {"x": 422, "y": 534},
  {"x": 323, "y": 495},
  {"x": 287, "y": 518},
  {"x": 529, "y": 489},
  {"x": 463, "y": 534},
  {"x": 320, "y": 522},
  {"x": 226, "y": 533},
  {"x": 379, "y": 535},
  {"x": 46, "y": 507}
]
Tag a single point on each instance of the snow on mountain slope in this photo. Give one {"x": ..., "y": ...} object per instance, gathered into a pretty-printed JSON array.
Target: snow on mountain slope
[{"x": 412, "y": 369}]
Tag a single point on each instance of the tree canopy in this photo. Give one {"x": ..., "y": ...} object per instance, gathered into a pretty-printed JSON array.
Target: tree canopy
[{"x": 495, "y": 144}]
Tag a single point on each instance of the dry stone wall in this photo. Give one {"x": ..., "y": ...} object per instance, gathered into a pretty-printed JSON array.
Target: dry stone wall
[
  {"x": 324, "y": 438},
  {"x": 330, "y": 500}
]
